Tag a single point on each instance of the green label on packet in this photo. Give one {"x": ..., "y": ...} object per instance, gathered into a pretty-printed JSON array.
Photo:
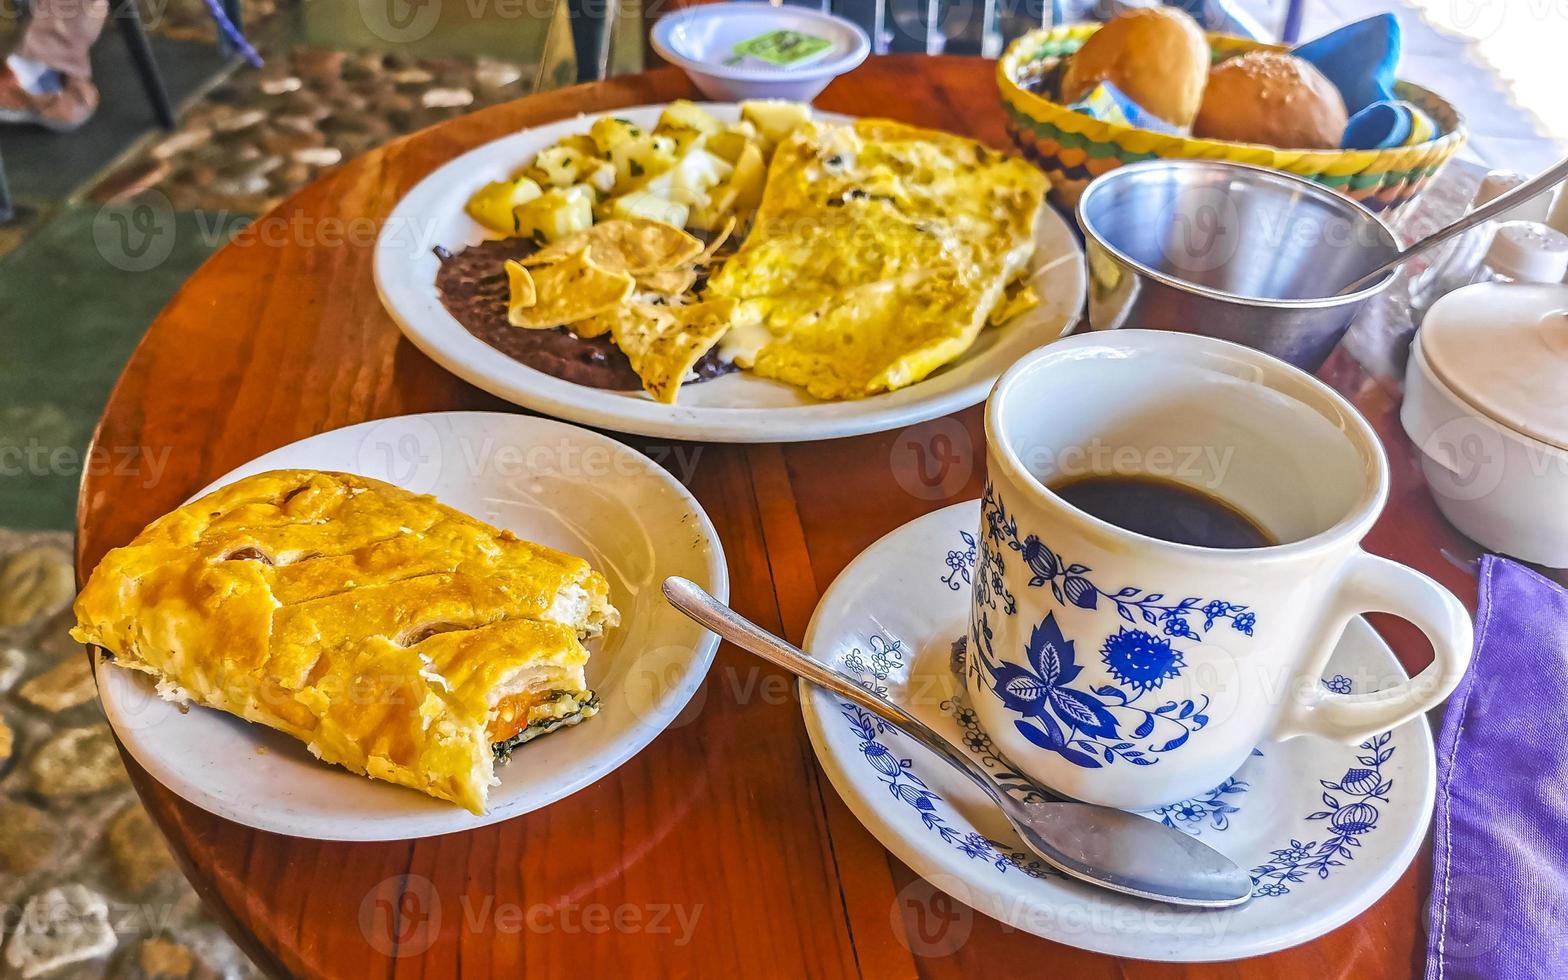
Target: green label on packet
[{"x": 782, "y": 48}]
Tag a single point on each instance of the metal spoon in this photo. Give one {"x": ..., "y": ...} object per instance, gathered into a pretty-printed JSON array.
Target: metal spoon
[
  {"x": 1486, "y": 212},
  {"x": 1111, "y": 848}
]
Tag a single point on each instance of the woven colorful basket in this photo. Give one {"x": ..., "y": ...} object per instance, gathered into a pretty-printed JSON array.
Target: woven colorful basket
[{"x": 1073, "y": 148}]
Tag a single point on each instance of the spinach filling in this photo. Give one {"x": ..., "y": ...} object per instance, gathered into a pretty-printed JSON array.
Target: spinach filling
[{"x": 585, "y": 708}]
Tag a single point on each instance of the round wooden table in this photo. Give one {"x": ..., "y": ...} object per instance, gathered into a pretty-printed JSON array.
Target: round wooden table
[{"x": 720, "y": 849}]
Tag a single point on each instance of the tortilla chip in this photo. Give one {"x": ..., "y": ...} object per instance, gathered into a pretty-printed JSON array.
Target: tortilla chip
[
  {"x": 717, "y": 241},
  {"x": 594, "y": 326},
  {"x": 635, "y": 246},
  {"x": 521, "y": 284},
  {"x": 572, "y": 289},
  {"x": 671, "y": 282},
  {"x": 663, "y": 343}
]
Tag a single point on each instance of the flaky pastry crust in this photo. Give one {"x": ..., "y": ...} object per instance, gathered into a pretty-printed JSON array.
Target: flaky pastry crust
[{"x": 380, "y": 627}]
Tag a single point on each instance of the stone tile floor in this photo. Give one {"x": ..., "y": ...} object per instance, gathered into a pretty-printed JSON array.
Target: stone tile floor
[
  {"x": 263, "y": 134},
  {"x": 87, "y": 886}
]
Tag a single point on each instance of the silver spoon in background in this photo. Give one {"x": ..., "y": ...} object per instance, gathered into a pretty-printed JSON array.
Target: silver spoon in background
[
  {"x": 1486, "y": 212},
  {"x": 1111, "y": 848}
]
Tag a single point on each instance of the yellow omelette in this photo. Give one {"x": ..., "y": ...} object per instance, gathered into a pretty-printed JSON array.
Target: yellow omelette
[{"x": 877, "y": 255}]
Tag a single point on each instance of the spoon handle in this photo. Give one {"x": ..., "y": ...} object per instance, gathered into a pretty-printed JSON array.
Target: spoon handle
[
  {"x": 1486, "y": 212},
  {"x": 691, "y": 599}
]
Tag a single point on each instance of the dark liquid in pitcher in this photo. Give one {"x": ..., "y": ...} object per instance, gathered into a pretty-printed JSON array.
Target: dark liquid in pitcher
[{"x": 1163, "y": 509}]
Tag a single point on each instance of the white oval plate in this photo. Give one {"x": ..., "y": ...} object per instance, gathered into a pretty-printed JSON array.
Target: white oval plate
[
  {"x": 547, "y": 481},
  {"x": 1322, "y": 842},
  {"x": 738, "y": 407}
]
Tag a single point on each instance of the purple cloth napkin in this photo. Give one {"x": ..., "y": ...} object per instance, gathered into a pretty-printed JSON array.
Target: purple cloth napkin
[{"x": 1499, "y": 906}]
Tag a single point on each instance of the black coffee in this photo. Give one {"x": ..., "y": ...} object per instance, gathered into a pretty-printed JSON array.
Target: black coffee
[{"x": 1163, "y": 509}]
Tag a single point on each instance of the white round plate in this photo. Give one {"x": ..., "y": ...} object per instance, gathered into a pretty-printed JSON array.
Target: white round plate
[
  {"x": 738, "y": 407},
  {"x": 1325, "y": 829},
  {"x": 547, "y": 481}
]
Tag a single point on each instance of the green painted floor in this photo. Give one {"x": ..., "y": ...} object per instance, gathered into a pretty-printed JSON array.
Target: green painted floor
[{"x": 74, "y": 300}]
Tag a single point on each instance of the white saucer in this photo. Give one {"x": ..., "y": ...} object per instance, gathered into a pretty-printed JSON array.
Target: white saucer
[
  {"x": 549, "y": 482},
  {"x": 1325, "y": 829},
  {"x": 738, "y": 407}
]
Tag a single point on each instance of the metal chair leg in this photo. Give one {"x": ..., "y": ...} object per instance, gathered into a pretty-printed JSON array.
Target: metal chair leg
[
  {"x": 1292, "y": 32},
  {"x": 129, "y": 21},
  {"x": 590, "y": 20},
  {"x": 233, "y": 11},
  {"x": 872, "y": 16},
  {"x": 7, "y": 209}
]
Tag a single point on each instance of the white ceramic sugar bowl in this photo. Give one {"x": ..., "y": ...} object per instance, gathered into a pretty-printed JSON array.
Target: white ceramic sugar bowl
[{"x": 1486, "y": 403}]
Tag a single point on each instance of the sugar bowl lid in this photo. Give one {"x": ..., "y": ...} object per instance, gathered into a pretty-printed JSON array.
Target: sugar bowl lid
[{"x": 1503, "y": 347}]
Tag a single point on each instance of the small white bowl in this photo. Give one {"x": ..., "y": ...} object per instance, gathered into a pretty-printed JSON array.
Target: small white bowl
[
  {"x": 700, "y": 39},
  {"x": 1502, "y": 488}
]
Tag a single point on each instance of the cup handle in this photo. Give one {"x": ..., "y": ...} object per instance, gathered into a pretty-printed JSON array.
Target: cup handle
[{"x": 1369, "y": 583}]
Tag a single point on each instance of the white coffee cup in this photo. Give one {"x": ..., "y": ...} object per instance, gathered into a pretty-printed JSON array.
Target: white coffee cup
[{"x": 1133, "y": 672}]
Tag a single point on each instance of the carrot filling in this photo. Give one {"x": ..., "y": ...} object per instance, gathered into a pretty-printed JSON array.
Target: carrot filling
[{"x": 511, "y": 714}]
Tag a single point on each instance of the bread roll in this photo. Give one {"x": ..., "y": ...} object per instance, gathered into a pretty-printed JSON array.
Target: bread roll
[
  {"x": 1272, "y": 98},
  {"x": 1156, "y": 55}
]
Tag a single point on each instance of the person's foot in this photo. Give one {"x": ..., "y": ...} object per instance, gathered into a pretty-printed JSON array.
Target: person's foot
[{"x": 62, "y": 110}]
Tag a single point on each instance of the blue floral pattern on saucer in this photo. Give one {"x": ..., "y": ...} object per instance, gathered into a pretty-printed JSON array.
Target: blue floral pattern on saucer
[
  {"x": 1351, "y": 812},
  {"x": 898, "y": 776},
  {"x": 1350, "y": 801},
  {"x": 931, "y": 818},
  {"x": 1213, "y": 808},
  {"x": 1349, "y": 819}
]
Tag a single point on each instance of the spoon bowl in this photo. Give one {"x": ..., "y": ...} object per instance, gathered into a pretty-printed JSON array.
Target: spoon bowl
[{"x": 1110, "y": 848}]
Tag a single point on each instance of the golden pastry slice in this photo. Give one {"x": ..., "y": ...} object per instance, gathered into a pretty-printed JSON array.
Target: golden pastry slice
[{"x": 395, "y": 636}]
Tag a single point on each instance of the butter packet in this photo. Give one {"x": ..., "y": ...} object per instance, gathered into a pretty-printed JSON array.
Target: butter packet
[{"x": 782, "y": 49}]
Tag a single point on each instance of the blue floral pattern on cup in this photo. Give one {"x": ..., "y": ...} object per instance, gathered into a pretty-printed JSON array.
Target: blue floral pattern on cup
[
  {"x": 1351, "y": 818},
  {"x": 1070, "y": 583},
  {"x": 1090, "y": 728},
  {"x": 1351, "y": 800}
]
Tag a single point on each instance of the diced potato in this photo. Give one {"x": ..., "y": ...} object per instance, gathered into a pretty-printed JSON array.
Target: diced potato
[
  {"x": 600, "y": 175},
  {"x": 748, "y": 178},
  {"x": 492, "y": 204},
  {"x": 609, "y": 132},
  {"x": 774, "y": 118},
  {"x": 694, "y": 174},
  {"x": 683, "y": 114},
  {"x": 561, "y": 166},
  {"x": 641, "y": 204},
  {"x": 711, "y": 214},
  {"x": 581, "y": 142},
  {"x": 726, "y": 145},
  {"x": 556, "y": 213},
  {"x": 644, "y": 156},
  {"x": 685, "y": 139}
]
